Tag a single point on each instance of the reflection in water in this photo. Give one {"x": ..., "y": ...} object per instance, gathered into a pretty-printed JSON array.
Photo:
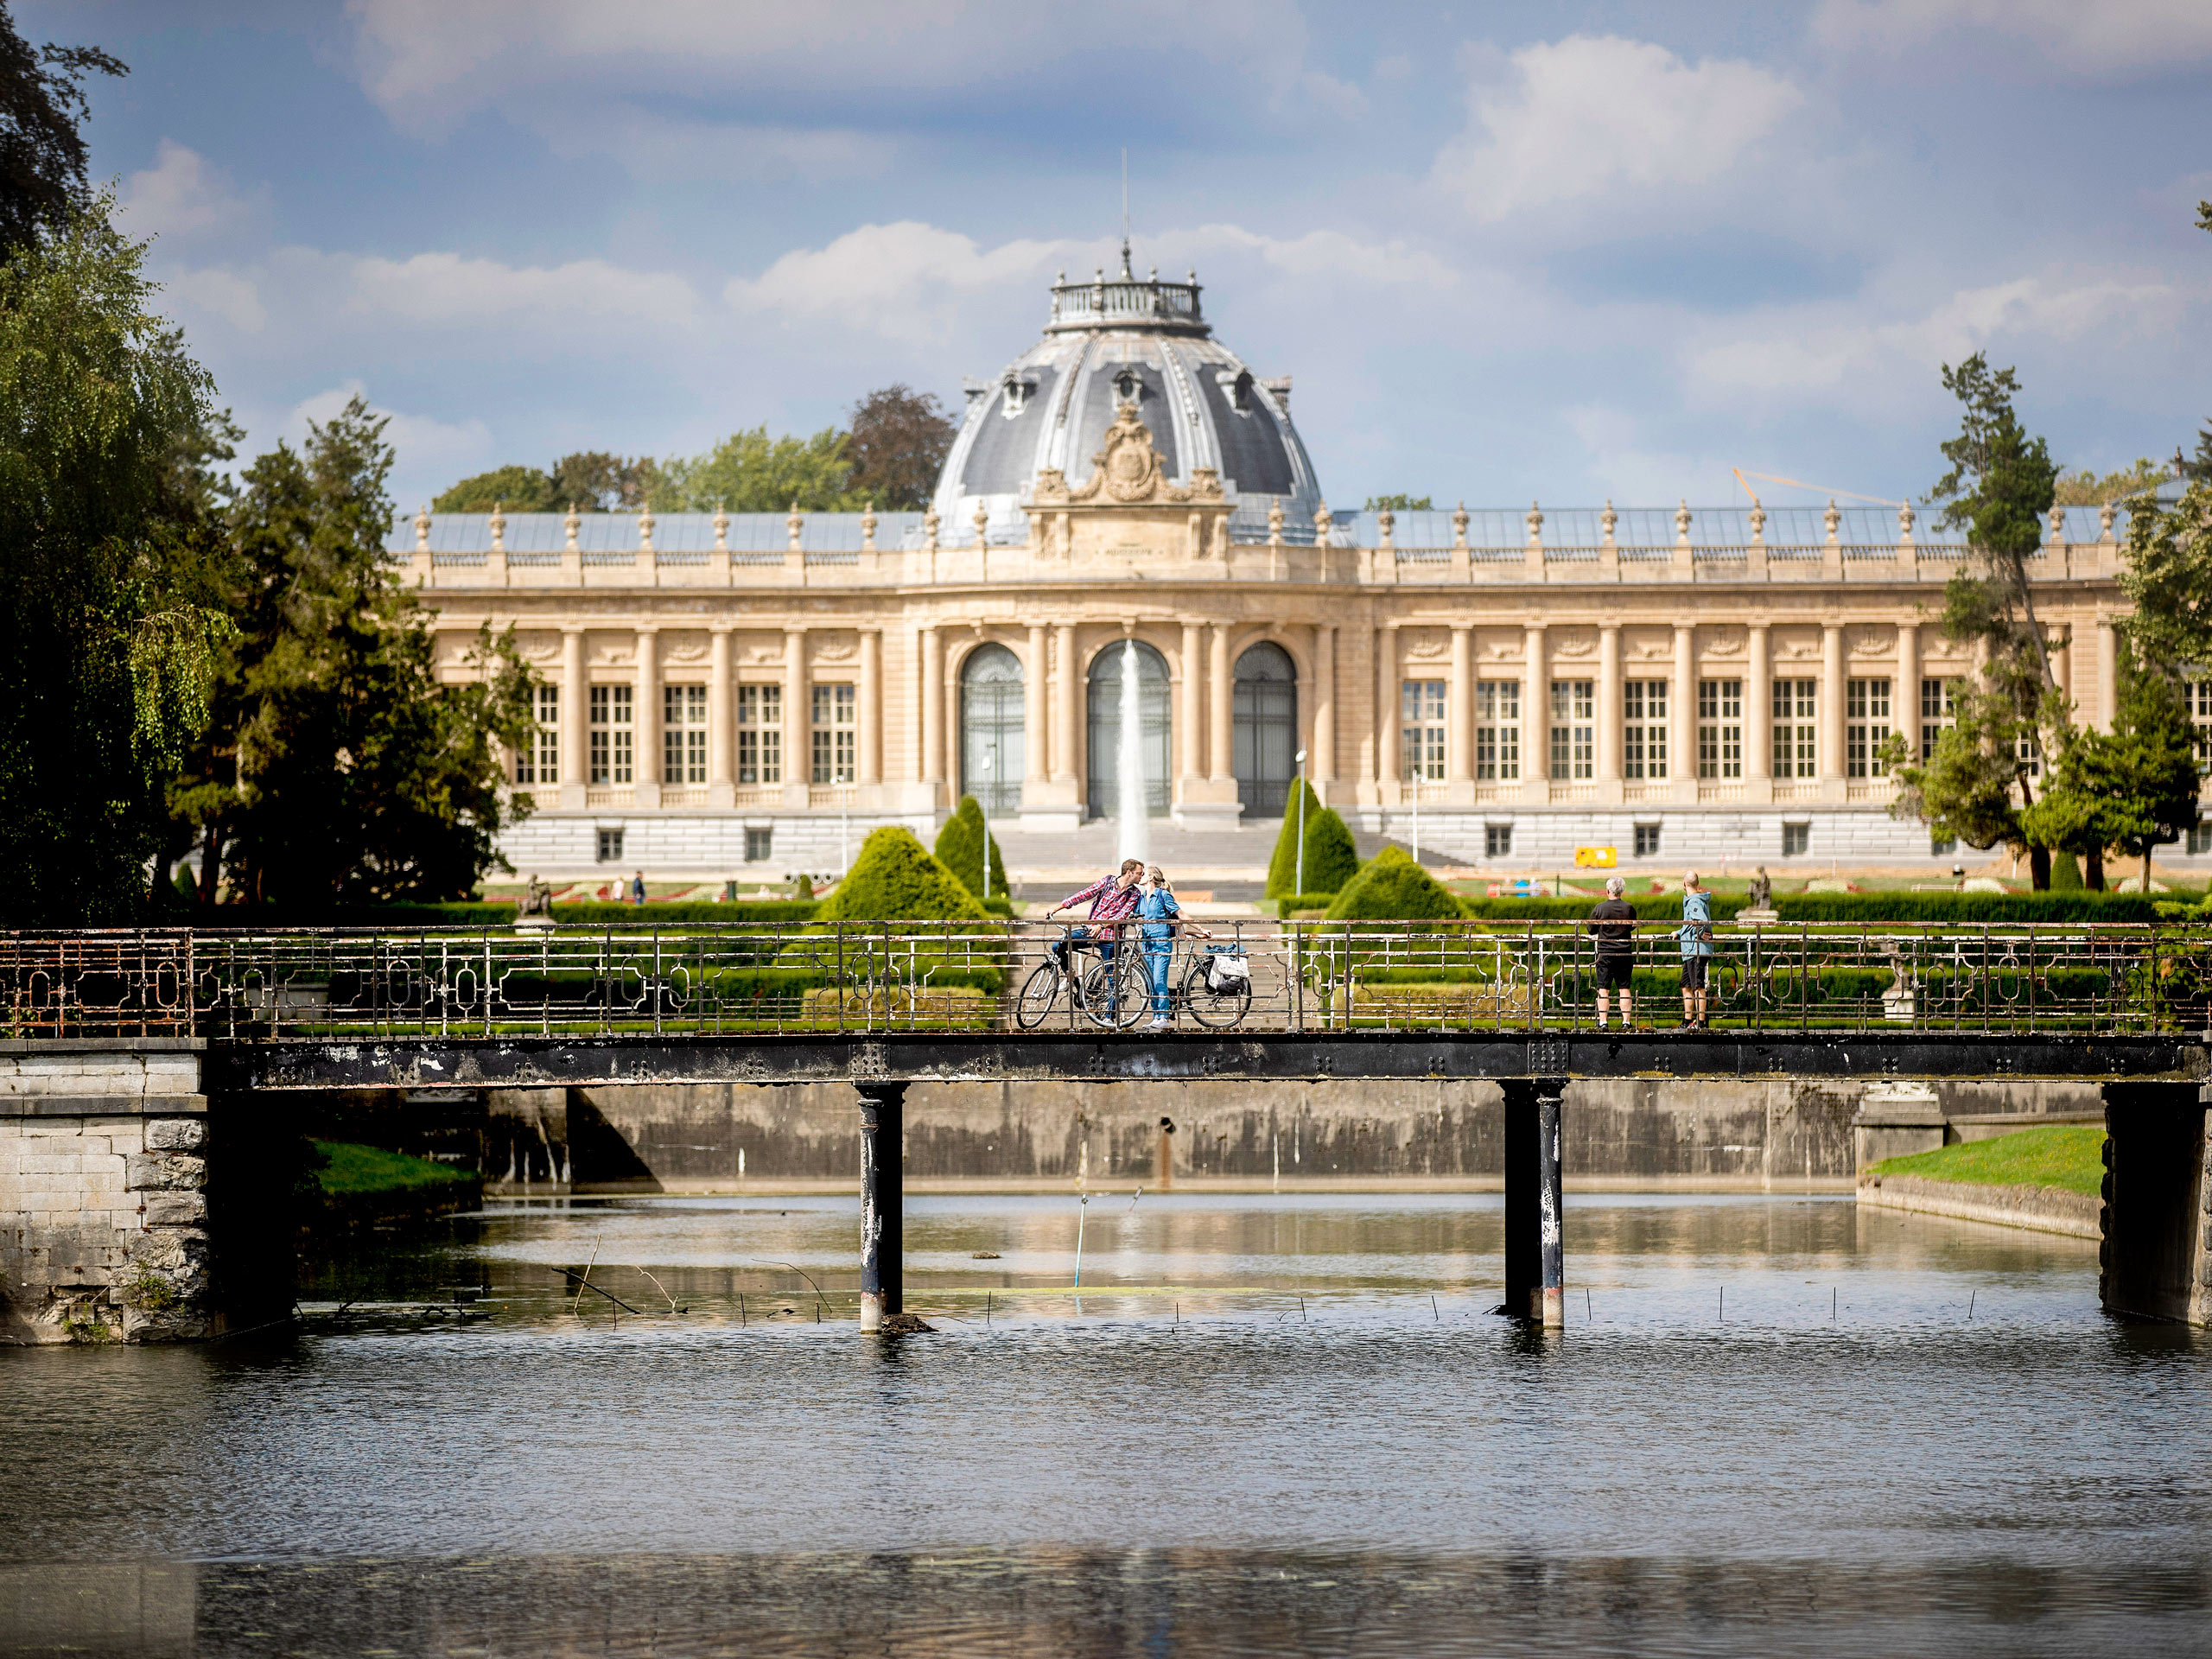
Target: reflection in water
[{"x": 1280, "y": 1425}]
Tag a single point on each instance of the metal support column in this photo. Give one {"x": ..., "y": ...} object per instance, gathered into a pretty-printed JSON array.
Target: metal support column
[
  {"x": 1534, "y": 1260},
  {"x": 883, "y": 1191},
  {"x": 1550, "y": 1201}
]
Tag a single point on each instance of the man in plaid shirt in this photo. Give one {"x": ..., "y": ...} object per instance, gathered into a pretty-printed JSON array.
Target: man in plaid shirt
[{"x": 1114, "y": 899}]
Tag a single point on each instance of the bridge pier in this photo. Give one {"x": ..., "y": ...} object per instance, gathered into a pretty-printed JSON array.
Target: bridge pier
[
  {"x": 2155, "y": 1259},
  {"x": 1535, "y": 1240},
  {"x": 883, "y": 1201}
]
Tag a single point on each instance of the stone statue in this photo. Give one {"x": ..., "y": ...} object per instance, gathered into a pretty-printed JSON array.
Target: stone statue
[
  {"x": 535, "y": 907},
  {"x": 1762, "y": 892}
]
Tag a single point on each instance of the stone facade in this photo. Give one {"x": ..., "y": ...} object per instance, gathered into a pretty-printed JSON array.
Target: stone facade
[{"x": 738, "y": 696}]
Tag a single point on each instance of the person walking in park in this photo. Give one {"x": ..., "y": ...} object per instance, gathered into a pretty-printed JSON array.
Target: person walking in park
[
  {"x": 638, "y": 888},
  {"x": 1696, "y": 935},
  {"x": 1113, "y": 900},
  {"x": 1159, "y": 920},
  {"x": 1612, "y": 925}
]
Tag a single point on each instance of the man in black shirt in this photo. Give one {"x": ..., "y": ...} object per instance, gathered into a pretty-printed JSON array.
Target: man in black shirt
[{"x": 1612, "y": 923}]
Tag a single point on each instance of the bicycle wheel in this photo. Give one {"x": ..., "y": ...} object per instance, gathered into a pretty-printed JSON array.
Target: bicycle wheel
[
  {"x": 1039, "y": 991},
  {"x": 1114, "y": 992},
  {"x": 1218, "y": 1010}
]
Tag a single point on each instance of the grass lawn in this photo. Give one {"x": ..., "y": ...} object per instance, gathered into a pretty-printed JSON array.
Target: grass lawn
[
  {"x": 2070, "y": 1156},
  {"x": 355, "y": 1169}
]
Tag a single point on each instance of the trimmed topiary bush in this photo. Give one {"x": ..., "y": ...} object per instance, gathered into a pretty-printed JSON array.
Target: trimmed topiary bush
[
  {"x": 895, "y": 878},
  {"x": 2066, "y": 872},
  {"x": 1392, "y": 887},
  {"x": 960, "y": 850},
  {"x": 1330, "y": 859}
]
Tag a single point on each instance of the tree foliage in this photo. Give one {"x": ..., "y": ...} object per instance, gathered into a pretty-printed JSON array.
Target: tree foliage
[
  {"x": 42, "y": 185},
  {"x": 105, "y": 649},
  {"x": 589, "y": 480},
  {"x": 339, "y": 768},
  {"x": 1330, "y": 859},
  {"x": 2086, "y": 489},
  {"x": 1398, "y": 504},
  {"x": 900, "y": 440},
  {"x": 2132, "y": 789},
  {"x": 960, "y": 850},
  {"x": 2168, "y": 576},
  {"x": 1390, "y": 886},
  {"x": 895, "y": 878},
  {"x": 750, "y": 471}
]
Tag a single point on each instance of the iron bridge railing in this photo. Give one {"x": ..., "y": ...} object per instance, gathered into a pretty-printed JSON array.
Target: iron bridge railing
[{"x": 643, "y": 979}]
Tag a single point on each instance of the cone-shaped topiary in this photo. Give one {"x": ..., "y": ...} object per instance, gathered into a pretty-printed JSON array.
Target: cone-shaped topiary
[
  {"x": 1390, "y": 886},
  {"x": 896, "y": 879},
  {"x": 1330, "y": 860},
  {"x": 959, "y": 846},
  {"x": 2065, "y": 873}
]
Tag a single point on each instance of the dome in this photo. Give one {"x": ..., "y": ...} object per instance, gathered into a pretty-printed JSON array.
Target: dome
[{"x": 1127, "y": 339}]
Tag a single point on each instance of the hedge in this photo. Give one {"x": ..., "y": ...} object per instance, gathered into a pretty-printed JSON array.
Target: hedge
[
  {"x": 1392, "y": 887},
  {"x": 739, "y": 912},
  {"x": 897, "y": 879}
]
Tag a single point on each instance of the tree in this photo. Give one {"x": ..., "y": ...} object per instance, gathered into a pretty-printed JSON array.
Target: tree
[
  {"x": 895, "y": 878},
  {"x": 517, "y": 489},
  {"x": 1398, "y": 504},
  {"x": 42, "y": 187},
  {"x": 106, "y": 650},
  {"x": 2168, "y": 576},
  {"x": 2086, "y": 489},
  {"x": 750, "y": 471},
  {"x": 2131, "y": 788},
  {"x": 900, "y": 440},
  {"x": 1329, "y": 858},
  {"x": 1391, "y": 887},
  {"x": 1999, "y": 485},
  {"x": 960, "y": 850},
  {"x": 341, "y": 770},
  {"x": 589, "y": 480}
]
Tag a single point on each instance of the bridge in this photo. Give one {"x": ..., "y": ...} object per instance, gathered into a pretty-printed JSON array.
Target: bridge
[{"x": 136, "y": 1031}]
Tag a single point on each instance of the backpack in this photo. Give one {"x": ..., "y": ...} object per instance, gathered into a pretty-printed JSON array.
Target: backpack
[{"x": 1228, "y": 972}]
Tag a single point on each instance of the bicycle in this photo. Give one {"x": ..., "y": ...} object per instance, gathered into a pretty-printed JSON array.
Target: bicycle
[{"x": 1110, "y": 993}]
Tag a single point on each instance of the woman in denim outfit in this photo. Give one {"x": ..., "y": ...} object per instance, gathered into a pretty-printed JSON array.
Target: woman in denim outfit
[
  {"x": 1159, "y": 920},
  {"x": 1696, "y": 935}
]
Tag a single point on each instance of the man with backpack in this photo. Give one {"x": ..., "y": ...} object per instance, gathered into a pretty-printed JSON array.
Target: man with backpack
[{"x": 1696, "y": 935}]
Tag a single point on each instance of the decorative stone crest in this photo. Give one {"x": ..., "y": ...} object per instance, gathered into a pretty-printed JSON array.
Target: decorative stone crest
[
  {"x": 1425, "y": 643},
  {"x": 1574, "y": 642},
  {"x": 1126, "y": 471}
]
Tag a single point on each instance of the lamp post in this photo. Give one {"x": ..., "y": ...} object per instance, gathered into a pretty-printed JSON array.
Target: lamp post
[
  {"x": 990, "y": 753},
  {"x": 1300, "y": 885}
]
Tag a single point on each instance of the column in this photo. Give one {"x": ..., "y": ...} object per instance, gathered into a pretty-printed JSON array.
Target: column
[
  {"x": 1904, "y": 696},
  {"x": 1219, "y": 757},
  {"x": 646, "y": 717},
  {"x": 1036, "y": 751},
  {"x": 1063, "y": 769},
  {"x": 1190, "y": 717},
  {"x": 930, "y": 767},
  {"x": 1387, "y": 696},
  {"x": 871, "y": 709},
  {"x": 1681, "y": 716},
  {"x": 1321, "y": 756},
  {"x": 1609, "y": 713},
  {"x": 2107, "y": 673},
  {"x": 721, "y": 791},
  {"x": 1831, "y": 722},
  {"x": 1535, "y": 707},
  {"x": 1459, "y": 712},
  {"x": 571, "y": 735},
  {"x": 1758, "y": 711},
  {"x": 1551, "y": 1206},
  {"x": 883, "y": 1222},
  {"x": 799, "y": 719}
]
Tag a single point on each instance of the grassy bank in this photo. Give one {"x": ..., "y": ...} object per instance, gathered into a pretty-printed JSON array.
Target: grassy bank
[
  {"x": 2070, "y": 1156},
  {"x": 352, "y": 1171}
]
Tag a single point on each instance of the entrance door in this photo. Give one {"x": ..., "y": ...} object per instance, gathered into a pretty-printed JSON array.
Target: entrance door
[
  {"x": 1265, "y": 741},
  {"x": 993, "y": 756},
  {"x": 1103, "y": 795}
]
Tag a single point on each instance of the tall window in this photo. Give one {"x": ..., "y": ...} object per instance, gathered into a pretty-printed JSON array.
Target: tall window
[
  {"x": 612, "y": 734},
  {"x": 1423, "y": 755},
  {"x": 1938, "y": 709},
  {"x": 1796, "y": 739},
  {"x": 1644, "y": 729},
  {"x": 1720, "y": 729},
  {"x": 683, "y": 734},
  {"x": 538, "y": 760},
  {"x": 1866, "y": 727},
  {"x": 1498, "y": 730},
  {"x": 2199, "y": 695},
  {"x": 1574, "y": 728},
  {"x": 836, "y": 734},
  {"x": 759, "y": 733}
]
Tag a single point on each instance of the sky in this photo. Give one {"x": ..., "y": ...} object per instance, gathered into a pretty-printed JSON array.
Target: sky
[{"x": 1551, "y": 252}]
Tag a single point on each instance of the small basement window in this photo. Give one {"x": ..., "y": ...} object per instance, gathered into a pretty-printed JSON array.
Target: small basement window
[
  {"x": 1646, "y": 840},
  {"x": 1796, "y": 838},
  {"x": 759, "y": 846},
  {"x": 610, "y": 846}
]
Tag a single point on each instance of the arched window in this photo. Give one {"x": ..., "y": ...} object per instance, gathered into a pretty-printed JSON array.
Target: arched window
[
  {"x": 1103, "y": 798},
  {"x": 993, "y": 756},
  {"x": 1265, "y": 740}
]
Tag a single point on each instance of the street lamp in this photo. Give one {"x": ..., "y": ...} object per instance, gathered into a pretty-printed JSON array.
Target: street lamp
[
  {"x": 983, "y": 796},
  {"x": 1300, "y": 886}
]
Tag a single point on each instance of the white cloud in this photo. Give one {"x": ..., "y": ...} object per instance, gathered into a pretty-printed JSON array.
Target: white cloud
[
  {"x": 447, "y": 287},
  {"x": 1846, "y": 356},
  {"x": 235, "y": 299},
  {"x": 1590, "y": 115},
  {"x": 647, "y": 144},
  {"x": 2108, "y": 35},
  {"x": 1325, "y": 253},
  {"x": 902, "y": 280},
  {"x": 181, "y": 197}
]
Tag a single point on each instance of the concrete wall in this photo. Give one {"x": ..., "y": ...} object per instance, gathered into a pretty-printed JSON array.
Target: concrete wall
[
  {"x": 2155, "y": 1259},
  {"x": 1745, "y": 1136},
  {"x": 103, "y": 1200}
]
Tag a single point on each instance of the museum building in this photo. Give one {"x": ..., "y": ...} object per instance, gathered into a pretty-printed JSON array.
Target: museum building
[{"x": 738, "y": 695}]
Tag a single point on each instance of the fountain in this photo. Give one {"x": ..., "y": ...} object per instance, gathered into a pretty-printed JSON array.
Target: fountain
[{"x": 1132, "y": 834}]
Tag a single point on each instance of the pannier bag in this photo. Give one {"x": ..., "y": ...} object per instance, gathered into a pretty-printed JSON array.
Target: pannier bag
[{"x": 1228, "y": 972}]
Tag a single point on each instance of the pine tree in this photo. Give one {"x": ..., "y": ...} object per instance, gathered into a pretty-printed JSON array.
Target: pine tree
[{"x": 959, "y": 848}]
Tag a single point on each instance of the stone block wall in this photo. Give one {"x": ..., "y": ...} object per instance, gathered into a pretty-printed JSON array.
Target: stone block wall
[{"x": 103, "y": 1192}]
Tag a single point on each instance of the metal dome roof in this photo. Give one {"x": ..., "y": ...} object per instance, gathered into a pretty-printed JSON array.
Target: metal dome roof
[{"x": 1113, "y": 340}]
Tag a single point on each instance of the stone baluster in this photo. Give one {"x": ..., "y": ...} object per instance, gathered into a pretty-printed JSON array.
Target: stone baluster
[
  {"x": 725, "y": 572},
  {"x": 1463, "y": 567},
  {"x": 1533, "y": 552},
  {"x": 1274, "y": 541},
  {"x": 795, "y": 547},
  {"x": 424, "y": 565},
  {"x": 1832, "y": 549},
  {"x": 572, "y": 556},
  {"x": 495, "y": 562},
  {"x": 1755, "y": 553},
  {"x": 1685, "y": 555},
  {"x": 1609, "y": 550},
  {"x": 648, "y": 555},
  {"x": 1908, "y": 554}
]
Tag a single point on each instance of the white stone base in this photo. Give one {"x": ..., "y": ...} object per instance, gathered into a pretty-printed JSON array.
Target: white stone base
[{"x": 696, "y": 846}]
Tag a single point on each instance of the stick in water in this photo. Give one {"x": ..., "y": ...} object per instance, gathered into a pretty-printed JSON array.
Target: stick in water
[{"x": 586, "y": 1280}]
